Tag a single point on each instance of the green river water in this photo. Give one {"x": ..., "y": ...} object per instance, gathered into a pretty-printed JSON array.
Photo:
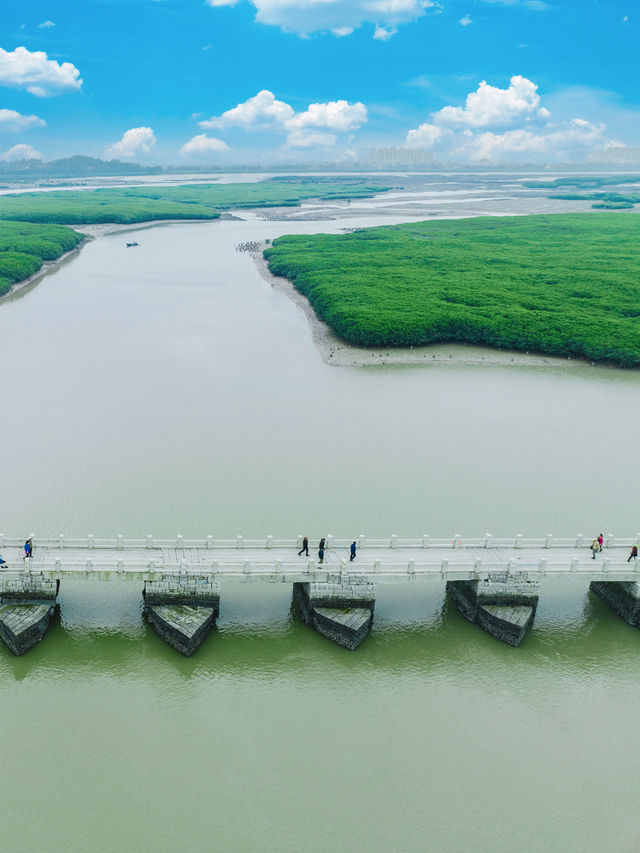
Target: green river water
[{"x": 168, "y": 389}]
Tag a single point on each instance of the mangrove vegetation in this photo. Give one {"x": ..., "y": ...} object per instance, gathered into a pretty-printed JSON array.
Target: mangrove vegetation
[
  {"x": 24, "y": 247},
  {"x": 143, "y": 204},
  {"x": 564, "y": 285}
]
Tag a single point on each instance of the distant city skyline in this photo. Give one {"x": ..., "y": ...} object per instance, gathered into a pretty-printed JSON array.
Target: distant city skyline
[{"x": 235, "y": 81}]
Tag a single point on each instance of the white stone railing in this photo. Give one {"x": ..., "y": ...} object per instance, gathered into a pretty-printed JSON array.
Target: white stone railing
[
  {"x": 275, "y": 570},
  {"x": 121, "y": 543}
]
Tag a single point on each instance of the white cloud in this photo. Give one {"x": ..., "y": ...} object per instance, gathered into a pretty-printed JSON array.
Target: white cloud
[
  {"x": 336, "y": 115},
  {"x": 135, "y": 141},
  {"x": 306, "y": 129},
  {"x": 21, "y": 152},
  {"x": 464, "y": 22},
  {"x": 262, "y": 109},
  {"x": 12, "y": 120},
  {"x": 464, "y": 134},
  {"x": 46, "y": 25},
  {"x": 306, "y": 139},
  {"x": 424, "y": 136},
  {"x": 562, "y": 142},
  {"x": 384, "y": 34},
  {"x": 339, "y": 17},
  {"x": 34, "y": 72},
  {"x": 492, "y": 106},
  {"x": 203, "y": 144},
  {"x": 533, "y": 5}
]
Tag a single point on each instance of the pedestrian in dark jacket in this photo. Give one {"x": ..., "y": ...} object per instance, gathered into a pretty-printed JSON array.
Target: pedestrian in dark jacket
[
  {"x": 634, "y": 554},
  {"x": 352, "y": 549},
  {"x": 305, "y": 547},
  {"x": 321, "y": 554},
  {"x": 28, "y": 549},
  {"x": 321, "y": 545}
]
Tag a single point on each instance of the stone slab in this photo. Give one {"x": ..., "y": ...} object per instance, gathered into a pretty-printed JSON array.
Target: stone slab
[
  {"x": 622, "y": 597},
  {"x": 347, "y": 627},
  {"x": 23, "y": 625},
  {"x": 183, "y": 626},
  {"x": 342, "y": 613},
  {"x": 181, "y": 590},
  {"x": 503, "y": 608},
  {"x": 506, "y": 622}
]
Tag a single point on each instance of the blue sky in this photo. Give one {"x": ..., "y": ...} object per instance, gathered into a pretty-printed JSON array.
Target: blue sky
[{"x": 560, "y": 78}]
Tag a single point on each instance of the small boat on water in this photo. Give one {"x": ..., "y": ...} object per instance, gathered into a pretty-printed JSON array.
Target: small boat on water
[{"x": 129, "y": 245}]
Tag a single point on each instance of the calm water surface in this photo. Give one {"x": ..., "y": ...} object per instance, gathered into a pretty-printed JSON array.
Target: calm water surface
[{"x": 168, "y": 389}]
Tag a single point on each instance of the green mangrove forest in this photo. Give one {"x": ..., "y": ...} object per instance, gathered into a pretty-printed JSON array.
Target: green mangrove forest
[
  {"x": 143, "y": 204},
  {"x": 605, "y": 200},
  {"x": 25, "y": 246},
  {"x": 563, "y": 285}
]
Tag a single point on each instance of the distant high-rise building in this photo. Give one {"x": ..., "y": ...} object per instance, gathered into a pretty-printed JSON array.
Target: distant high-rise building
[
  {"x": 382, "y": 158},
  {"x": 617, "y": 154}
]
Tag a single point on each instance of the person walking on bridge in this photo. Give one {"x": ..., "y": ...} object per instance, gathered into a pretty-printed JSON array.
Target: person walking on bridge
[
  {"x": 595, "y": 547},
  {"x": 633, "y": 555},
  {"x": 600, "y": 541},
  {"x": 28, "y": 549},
  {"x": 352, "y": 551},
  {"x": 305, "y": 547},
  {"x": 321, "y": 552}
]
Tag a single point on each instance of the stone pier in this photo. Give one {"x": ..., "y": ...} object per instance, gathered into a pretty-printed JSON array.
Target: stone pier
[
  {"x": 623, "y": 597},
  {"x": 27, "y": 602},
  {"x": 182, "y": 609},
  {"x": 340, "y": 610},
  {"x": 503, "y": 605}
]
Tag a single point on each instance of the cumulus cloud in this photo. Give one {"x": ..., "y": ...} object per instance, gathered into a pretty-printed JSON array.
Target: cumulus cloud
[
  {"x": 45, "y": 25},
  {"x": 480, "y": 130},
  {"x": 36, "y": 73},
  {"x": 339, "y": 17},
  {"x": 21, "y": 152},
  {"x": 564, "y": 141},
  {"x": 384, "y": 33},
  {"x": 491, "y": 106},
  {"x": 262, "y": 109},
  {"x": 135, "y": 141},
  {"x": 424, "y": 136},
  {"x": 12, "y": 120},
  {"x": 532, "y": 5},
  {"x": 336, "y": 115},
  {"x": 306, "y": 139},
  {"x": 201, "y": 145},
  {"x": 464, "y": 22}
]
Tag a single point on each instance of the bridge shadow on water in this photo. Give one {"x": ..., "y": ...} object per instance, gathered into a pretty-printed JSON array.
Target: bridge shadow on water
[{"x": 416, "y": 630}]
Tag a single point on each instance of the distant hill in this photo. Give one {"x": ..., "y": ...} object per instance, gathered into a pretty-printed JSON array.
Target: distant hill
[{"x": 74, "y": 167}]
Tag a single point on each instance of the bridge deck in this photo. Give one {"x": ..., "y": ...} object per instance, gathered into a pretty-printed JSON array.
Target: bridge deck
[{"x": 395, "y": 560}]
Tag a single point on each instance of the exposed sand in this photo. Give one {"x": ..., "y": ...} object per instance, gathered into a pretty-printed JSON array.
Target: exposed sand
[{"x": 338, "y": 352}]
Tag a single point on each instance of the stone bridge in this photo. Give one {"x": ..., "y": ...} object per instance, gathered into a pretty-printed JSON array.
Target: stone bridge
[{"x": 495, "y": 582}]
